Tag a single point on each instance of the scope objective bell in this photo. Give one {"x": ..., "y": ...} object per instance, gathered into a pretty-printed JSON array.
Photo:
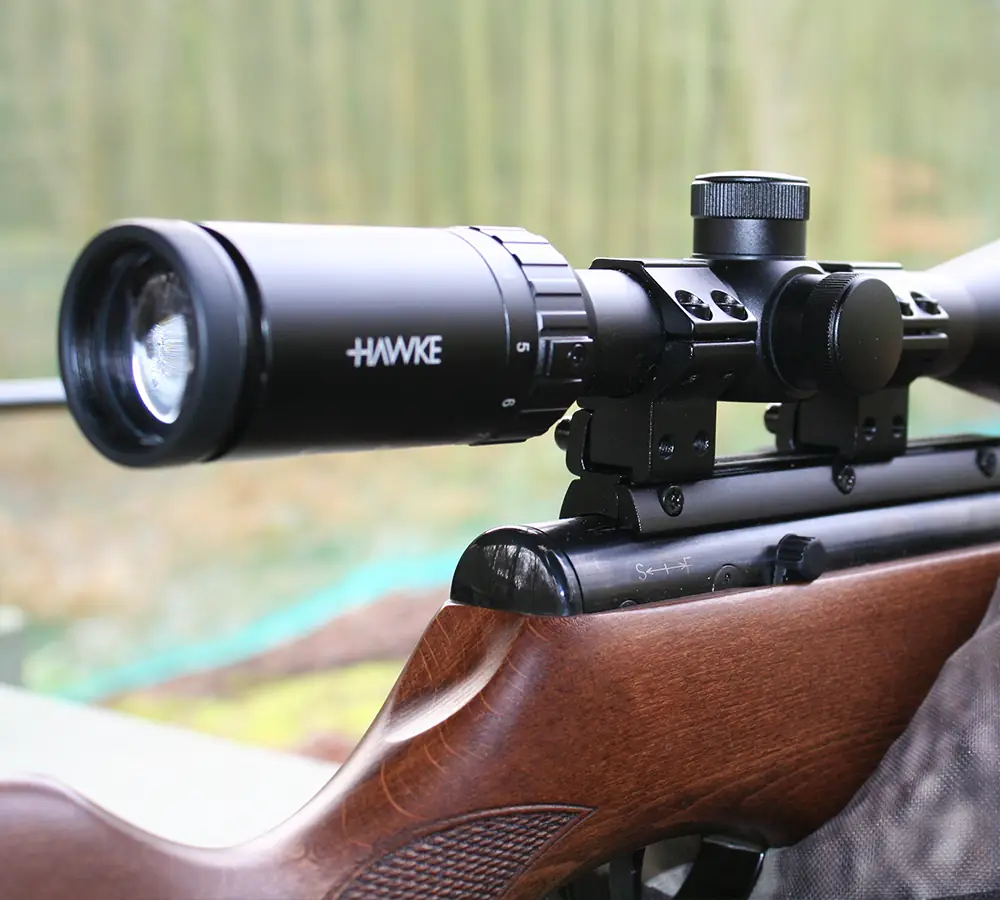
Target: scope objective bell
[{"x": 309, "y": 337}]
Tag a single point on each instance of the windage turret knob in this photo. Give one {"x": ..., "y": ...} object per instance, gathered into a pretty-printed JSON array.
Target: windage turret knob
[
  {"x": 750, "y": 215},
  {"x": 840, "y": 333},
  {"x": 853, "y": 332}
]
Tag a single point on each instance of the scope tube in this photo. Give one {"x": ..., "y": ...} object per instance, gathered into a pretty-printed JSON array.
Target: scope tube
[
  {"x": 182, "y": 341},
  {"x": 974, "y": 367}
]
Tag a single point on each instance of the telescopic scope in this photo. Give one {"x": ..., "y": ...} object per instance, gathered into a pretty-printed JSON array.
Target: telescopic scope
[{"x": 182, "y": 341}]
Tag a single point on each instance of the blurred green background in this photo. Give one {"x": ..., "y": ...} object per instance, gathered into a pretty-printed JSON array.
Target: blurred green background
[{"x": 275, "y": 601}]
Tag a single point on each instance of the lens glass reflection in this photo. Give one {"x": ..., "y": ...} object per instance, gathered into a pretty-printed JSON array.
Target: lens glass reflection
[{"x": 163, "y": 353}]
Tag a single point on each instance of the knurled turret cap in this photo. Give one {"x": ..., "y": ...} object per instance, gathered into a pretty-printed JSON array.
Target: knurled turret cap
[
  {"x": 750, "y": 195},
  {"x": 853, "y": 332}
]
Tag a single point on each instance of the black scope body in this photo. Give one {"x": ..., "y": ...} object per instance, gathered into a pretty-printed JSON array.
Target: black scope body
[{"x": 183, "y": 341}]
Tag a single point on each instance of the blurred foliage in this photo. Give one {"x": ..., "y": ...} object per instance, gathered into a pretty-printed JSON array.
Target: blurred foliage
[
  {"x": 298, "y": 712},
  {"x": 583, "y": 120}
]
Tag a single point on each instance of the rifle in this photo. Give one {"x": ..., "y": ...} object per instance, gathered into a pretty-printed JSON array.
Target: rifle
[{"x": 696, "y": 646}]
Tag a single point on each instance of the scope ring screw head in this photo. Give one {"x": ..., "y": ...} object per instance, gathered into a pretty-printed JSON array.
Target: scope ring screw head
[
  {"x": 702, "y": 443},
  {"x": 898, "y": 428},
  {"x": 730, "y": 305},
  {"x": 772, "y": 418},
  {"x": 672, "y": 500},
  {"x": 986, "y": 461},
  {"x": 845, "y": 478},
  {"x": 665, "y": 449},
  {"x": 904, "y": 307},
  {"x": 693, "y": 304},
  {"x": 728, "y": 576},
  {"x": 575, "y": 355},
  {"x": 561, "y": 434},
  {"x": 926, "y": 304}
]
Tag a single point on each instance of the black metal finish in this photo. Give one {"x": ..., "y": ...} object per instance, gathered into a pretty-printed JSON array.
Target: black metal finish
[
  {"x": 725, "y": 869},
  {"x": 975, "y": 364},
  {"x": 796, "y": 559},
  {"x": 750, "y": 195},
  {"x": 589, "y": 886},
  {"x": 774, "y": 488},
  {"x": 94, "y": 355},
  {"x": 861, "y": 428},
  {"x": 587, "y": 565},
  {"x": 325, "y": 337},
  {"x": 666, "y": 430},
  {"x": 749, "y": 215},
  {"x": 31, "y": 393},
  {"x": 625, "y": 876},
  {"x": 472, "y": 336},
  {"x": 720, "y": 868},
  {"x": 841, "y": 332}
]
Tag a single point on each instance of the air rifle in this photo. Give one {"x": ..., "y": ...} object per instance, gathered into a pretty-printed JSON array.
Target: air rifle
[{"x": 695, "y": 646}]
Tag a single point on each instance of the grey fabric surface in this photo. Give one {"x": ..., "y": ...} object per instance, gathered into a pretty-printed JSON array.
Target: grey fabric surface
[{"x": 927, "y": 823}]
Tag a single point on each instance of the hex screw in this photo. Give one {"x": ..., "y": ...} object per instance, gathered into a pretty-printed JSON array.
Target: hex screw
[
  {"x": 672, "y": 500},
  {"x": 730, "y": 305},
  {"x": 986, "y": 461},
  {"x": 693, "y": 304},
  {"x": 845, "y": 478},
  {"x": 926, "y": 304}
]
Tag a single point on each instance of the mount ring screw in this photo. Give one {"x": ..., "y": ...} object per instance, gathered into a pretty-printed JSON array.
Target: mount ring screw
[
  {"x": 561, "y": 434},
  {"x": 728, "y": 576},
  {"x": 672, "y": 500},
  {"x": 986, "y": 461},
  {"x": 845, "y": 478}
]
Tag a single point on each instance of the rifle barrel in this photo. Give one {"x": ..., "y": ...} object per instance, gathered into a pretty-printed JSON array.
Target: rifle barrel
[{"x": 31, "y": 393}]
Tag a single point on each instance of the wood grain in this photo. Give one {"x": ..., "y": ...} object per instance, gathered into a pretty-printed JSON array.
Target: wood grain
[{"x": 516, "y": 751}]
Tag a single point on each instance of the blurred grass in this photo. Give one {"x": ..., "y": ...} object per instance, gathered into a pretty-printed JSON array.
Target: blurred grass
[
  {"x": 145, "y": 561},
  {"x": 32, "y": 272},
  {"x": 291, "y": 713}
]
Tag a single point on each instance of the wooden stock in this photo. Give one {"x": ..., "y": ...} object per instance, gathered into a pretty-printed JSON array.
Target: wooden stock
[{"x": 516, "y": 751}]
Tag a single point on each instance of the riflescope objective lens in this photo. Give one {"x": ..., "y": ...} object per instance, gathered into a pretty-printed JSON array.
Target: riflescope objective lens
[{"x": 162, "y": 353}]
